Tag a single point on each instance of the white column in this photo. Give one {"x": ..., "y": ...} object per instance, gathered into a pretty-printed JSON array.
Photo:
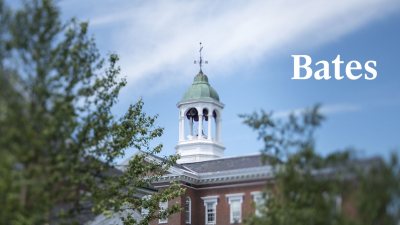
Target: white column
[
  {"x": 200, "y": 131},
  {"x": 209, "y": 135},
  {"x": 181, "y": 128},
  {"x": 218, "y": 121}
]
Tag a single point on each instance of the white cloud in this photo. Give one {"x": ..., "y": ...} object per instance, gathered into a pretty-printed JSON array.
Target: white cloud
[
  {"x": 328, "y": 109},
  {"x": 339, "y": 108},
  {"x": 158, "y": 40}
]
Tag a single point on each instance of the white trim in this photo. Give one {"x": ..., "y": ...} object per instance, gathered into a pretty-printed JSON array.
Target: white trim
[
  {"x": 188, "y": 219},
  {"x": 145, "y": 211},
  {"x": 210, "y": 198},
  {"x": 235, "y": 198},
  {"x": 257, "y": 195},
  {"x": 197, "y": 101},
  {"x": 254, "y": 173},
  {"x": 232, "y": 157},
  {"x": 236, "y": 195},
  {"x": 219, "y": 187},
  {"x": 214, "y": 200},
  {"x": 163, "y": 206},
  {"x": 253, "y": 193},
  {"x": 338, "y": 203},
  {"x": 267, "y": 170}
]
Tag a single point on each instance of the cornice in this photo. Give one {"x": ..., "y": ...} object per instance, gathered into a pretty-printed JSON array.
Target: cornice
[{"x": 254, "y": 173}]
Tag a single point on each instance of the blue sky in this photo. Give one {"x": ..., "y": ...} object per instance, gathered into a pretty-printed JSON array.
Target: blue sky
[{"x": 249, "y": 45}]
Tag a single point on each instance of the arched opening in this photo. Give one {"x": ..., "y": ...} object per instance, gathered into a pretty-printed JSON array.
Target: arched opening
[
  {"x": 201, "y": 123},
  {"x": 205, "y": 124},
  {"x": 192, "y": 118},
  {"x": 215, "y": 125}
]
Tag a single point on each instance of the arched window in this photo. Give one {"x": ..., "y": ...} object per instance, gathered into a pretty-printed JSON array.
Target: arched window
[{"x": 188, "y": 210}]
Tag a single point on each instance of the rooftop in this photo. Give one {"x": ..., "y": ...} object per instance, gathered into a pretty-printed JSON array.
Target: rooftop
[
  {"x": 200, "y": 89},
  {"x": 224, "y": 164}
]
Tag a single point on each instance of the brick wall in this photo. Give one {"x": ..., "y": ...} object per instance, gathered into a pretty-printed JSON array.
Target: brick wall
[{"x": 223, "y": 208}]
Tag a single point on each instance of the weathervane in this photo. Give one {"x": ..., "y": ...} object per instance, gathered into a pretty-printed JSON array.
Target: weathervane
[{"x": 200, "y": 62}]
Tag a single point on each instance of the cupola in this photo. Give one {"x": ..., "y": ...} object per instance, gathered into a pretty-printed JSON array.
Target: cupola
[{"x": 200, "y": 112}]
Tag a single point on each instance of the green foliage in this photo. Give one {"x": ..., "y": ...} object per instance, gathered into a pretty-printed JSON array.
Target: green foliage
[
  {"x": 309, "y": 188},
  {"x": 59, "y": 140},
  {"x": 378, "y": 194}
]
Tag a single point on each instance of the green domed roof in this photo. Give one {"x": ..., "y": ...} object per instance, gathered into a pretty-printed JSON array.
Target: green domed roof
[{"x": 200, "y": 89}]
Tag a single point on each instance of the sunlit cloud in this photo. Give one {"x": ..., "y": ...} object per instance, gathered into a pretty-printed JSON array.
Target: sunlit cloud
[{"x": 158, "y": 40}]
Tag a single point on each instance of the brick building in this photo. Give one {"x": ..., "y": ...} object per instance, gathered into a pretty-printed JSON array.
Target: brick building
[{"x": 218, "y": 190}]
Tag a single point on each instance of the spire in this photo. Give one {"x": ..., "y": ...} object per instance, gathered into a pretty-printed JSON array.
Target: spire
[{"x": 200, "y": 61}]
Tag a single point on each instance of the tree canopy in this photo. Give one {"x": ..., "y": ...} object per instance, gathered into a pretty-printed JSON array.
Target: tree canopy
[
  {"x": 59, "y": 140},
  {"x": 310, "y": 188}
]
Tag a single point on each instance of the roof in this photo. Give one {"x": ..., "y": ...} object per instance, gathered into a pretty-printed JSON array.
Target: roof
[
  {"x": 224, "y": 164},
  {"x": 200, "y": 89}
]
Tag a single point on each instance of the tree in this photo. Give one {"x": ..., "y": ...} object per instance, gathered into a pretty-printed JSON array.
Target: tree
[
  {"x": 59, "y": 140},
  {"x": 309, "y": 188}
]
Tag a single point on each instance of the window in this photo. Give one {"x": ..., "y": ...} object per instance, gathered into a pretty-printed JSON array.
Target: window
[
  {"x": 145, "y": 211},
  {"x": 236, "y": 211},
  {"x": 338, "y": 203},
  {"x": 211, "y": 213},
  {"x": 210, "y": 203},
  {"x": 259, "y": 201},
  {"x": 235, "y": 205},
  {"x": 188, "y": 210},
  {"x": 163, "y": 207},
  {"x": 335, "y": 200}
]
